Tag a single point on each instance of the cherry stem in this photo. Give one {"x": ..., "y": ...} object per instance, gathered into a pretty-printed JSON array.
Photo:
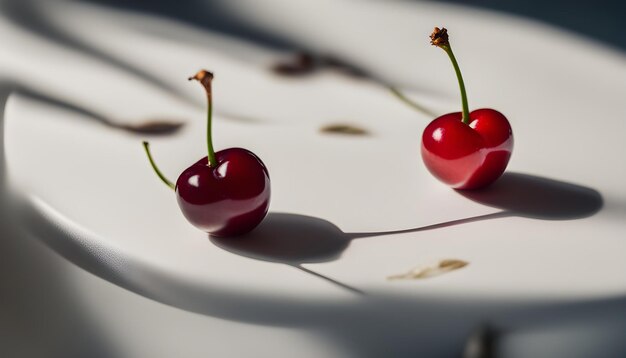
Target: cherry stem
[
  {"x": 439, "y": 38},
  {"x": 466, "y": 117},
  {"x": 146, "y": 147},
  {"x": 205, "y": 78}
]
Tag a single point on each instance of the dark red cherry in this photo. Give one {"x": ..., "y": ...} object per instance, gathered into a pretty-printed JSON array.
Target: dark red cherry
[
  {"x": 226, "y": 193},
  {"x": 466, "y": 150},
  {"x": 228, "y": 199}
]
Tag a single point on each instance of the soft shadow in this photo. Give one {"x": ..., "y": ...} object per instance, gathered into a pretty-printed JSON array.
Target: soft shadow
[
  {"x": 328, "y": 279},
  {"x": 38, "y": 309},
  {"x": 205, "y": 15},
  {"x": 293, "y": 240},
  {"x": 360, "y": 235},
  {"x": 218, "y": 17},
  {"x": 296, "y": 239},
  {"x": 160, "y": 127},
  {"x": 522, "y": 195},
  {"x": 289, "y": 238},
  {"x": 481, "y": 343},
  {"x": 28, "y": 16},
  {"x": 538, "y": 197}
]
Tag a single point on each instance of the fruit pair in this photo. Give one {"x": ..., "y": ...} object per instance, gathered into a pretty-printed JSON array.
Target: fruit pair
[{"x": 227, "y": 193}]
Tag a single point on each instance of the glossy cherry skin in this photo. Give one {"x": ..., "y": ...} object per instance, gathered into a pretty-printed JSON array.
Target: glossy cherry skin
[
  {"x": 228, "y": 199},
  {"x": 468, "y": 156}
]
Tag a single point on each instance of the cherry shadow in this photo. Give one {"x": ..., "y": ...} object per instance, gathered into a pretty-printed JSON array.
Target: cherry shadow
[
  {"x": 289, "y": 238},
  {"x": 523, "y": 195},
  {"x": 293, "y": 240},
  {"x": 538, "y": 198},
  {"x": 298, "y": 239}
]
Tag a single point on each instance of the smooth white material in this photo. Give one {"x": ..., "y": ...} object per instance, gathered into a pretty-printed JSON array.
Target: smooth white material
[{"x": 91, "y": 195}]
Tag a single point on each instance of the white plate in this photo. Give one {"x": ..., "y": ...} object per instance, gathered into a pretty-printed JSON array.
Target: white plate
[{"x": 550, "y": 230}]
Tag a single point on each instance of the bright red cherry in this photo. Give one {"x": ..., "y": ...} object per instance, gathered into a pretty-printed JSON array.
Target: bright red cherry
[
  {"x": 226, "y": 193},
  {"x": 462, "y": 149}
]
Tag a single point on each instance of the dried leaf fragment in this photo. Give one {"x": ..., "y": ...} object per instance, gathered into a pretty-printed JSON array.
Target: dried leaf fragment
[
  {"x": 452, "y": 264},
  {"x": 439, "y": 268},
  {"x": 341, "y": 128}
]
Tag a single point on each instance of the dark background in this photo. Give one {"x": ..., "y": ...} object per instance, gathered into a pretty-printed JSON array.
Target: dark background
[{"x": 602, "y": 20}]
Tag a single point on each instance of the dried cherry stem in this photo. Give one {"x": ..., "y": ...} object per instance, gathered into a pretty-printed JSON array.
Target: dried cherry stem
[
  {"x": 205, "y": 78},
  {"x": 439, "y": 38}
]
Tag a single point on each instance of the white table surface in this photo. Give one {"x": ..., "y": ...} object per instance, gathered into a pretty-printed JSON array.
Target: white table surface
[{"x": 572, "y": 309}]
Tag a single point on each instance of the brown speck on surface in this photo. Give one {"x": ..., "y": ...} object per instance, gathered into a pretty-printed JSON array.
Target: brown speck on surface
[
  {"x": 152, "y": 127},
  {"x": 452, "y": 264},
  {"x": 346, "y": 129},
  {"x": 302, "y": 63},
  {"x": 439, "y": 268},
  {"x": 439, "y": 37},
  {"x": 305, "y": 63}
]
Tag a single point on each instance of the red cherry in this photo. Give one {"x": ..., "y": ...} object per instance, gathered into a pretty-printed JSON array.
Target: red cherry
[
  {"x": 228, "y": 199},
  {"x": 468, "y": 156},
  {"x": 462, "y": 149},
  {"x": 226, "y": 193}
]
